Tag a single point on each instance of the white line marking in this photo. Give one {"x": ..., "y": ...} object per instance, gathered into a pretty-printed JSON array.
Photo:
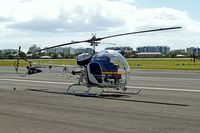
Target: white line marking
[
  {"x": 133, "y": 87},
  {"x": 162, "y": 89},
  {"x": 163, "y": 78},
  {"x": 36, "y": 81}
]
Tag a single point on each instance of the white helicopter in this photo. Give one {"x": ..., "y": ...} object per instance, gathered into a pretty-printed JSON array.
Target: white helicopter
[{"x": 105, "y": 69}]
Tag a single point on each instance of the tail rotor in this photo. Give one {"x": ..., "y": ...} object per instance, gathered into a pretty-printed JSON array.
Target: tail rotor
[{"x": 22, "y": 65}]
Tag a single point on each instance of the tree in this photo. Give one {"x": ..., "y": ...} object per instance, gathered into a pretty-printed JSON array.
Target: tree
[
  {"x": 29, "y": 52},
  {"x": 69, "y": 56},
  {"x": 10, "y": 56},
  {"x": 1, "y": 57},
  {"x": 35, "y": 56},
  {"x": 55, "y": 56},
  {"x": 62, "y": 54},
  {"x": 22, "y": 55}
]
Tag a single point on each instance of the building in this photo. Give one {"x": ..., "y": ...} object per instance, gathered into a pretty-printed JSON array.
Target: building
[
  {"x": 146, "y": 49},
  {"x": 69, "y": 50},
  {"x": 84, "y": 50},
  {"x": 10, "y": 51},
  {"x": 66, "y": 50},
  {"x": 193, "y": 50},
  {"x": 119, "y": 49},
  {"x": 149, "y": 55},
  {"x": 33, "y": 48},
  {"x": 179, "y": 51}
]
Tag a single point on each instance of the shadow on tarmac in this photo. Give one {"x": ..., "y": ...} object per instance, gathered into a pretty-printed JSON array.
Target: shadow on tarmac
[{"x": 109, "y": 96}]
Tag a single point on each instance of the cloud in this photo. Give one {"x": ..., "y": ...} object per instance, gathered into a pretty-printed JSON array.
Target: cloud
[
  {"x": 126, "y": 1},
  {"x": 33, "y": 20},
  {"x": 89, "y": 15},
  {"x": 2, "y": 19},
  {"x": 161, "y": 17},
  {"x": 82, "y": 22}
]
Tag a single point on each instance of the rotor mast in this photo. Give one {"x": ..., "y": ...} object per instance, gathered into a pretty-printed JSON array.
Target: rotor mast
[{"x": 93, "y": 42}]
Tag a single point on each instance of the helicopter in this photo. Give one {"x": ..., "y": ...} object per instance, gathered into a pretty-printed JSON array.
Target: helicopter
[{"x": 104, "y": 69}]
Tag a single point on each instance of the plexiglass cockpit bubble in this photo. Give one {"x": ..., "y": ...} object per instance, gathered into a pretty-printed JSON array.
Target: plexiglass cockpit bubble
[{"x": 114, "y": 67}]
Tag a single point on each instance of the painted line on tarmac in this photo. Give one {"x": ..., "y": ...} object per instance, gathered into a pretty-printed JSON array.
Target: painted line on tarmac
[
  {"x": 162, "y": 89},
  {"x": 163, "y": 78},
  {"x": 36, "y": 81},
  {"x": 133, "y": 87}
]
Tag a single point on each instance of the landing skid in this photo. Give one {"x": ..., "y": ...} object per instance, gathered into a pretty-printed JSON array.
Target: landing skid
[
  {"x": 122, "y": 90},
  {"x": 131, "y": 93},
  {"x": 86, "y": 93}
]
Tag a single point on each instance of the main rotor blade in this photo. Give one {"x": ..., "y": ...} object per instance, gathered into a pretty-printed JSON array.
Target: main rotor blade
[
  {"x": 94, "y": 39},
  {"x": 64, "y": 44},
  {"x": 143, "y": 31}
]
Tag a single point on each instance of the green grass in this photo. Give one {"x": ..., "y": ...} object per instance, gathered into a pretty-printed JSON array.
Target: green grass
[
  {"x": 41, "y": 61},
  {"x": 173, "y": 64}
]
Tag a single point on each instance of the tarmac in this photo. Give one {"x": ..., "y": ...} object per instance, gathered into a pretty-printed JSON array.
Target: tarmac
[{"x": 169, "y": 102}]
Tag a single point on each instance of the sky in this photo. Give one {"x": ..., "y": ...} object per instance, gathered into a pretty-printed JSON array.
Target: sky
[{"x": 49, "y": 22}]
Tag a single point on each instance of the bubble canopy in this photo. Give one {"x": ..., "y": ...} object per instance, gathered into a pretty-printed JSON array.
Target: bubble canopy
[{"x": 112, "y": 62}]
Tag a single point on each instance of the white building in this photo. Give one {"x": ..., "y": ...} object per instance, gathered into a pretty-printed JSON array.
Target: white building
[
  {"x": 149, "y": 55},
  {"x": 179, "y": 51},
  {"x": 119, "y": 49},
  {"x": 66, "y": 50},
  {"x": 161, "y": 49},
  {"x": 69, "y": 50}
]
